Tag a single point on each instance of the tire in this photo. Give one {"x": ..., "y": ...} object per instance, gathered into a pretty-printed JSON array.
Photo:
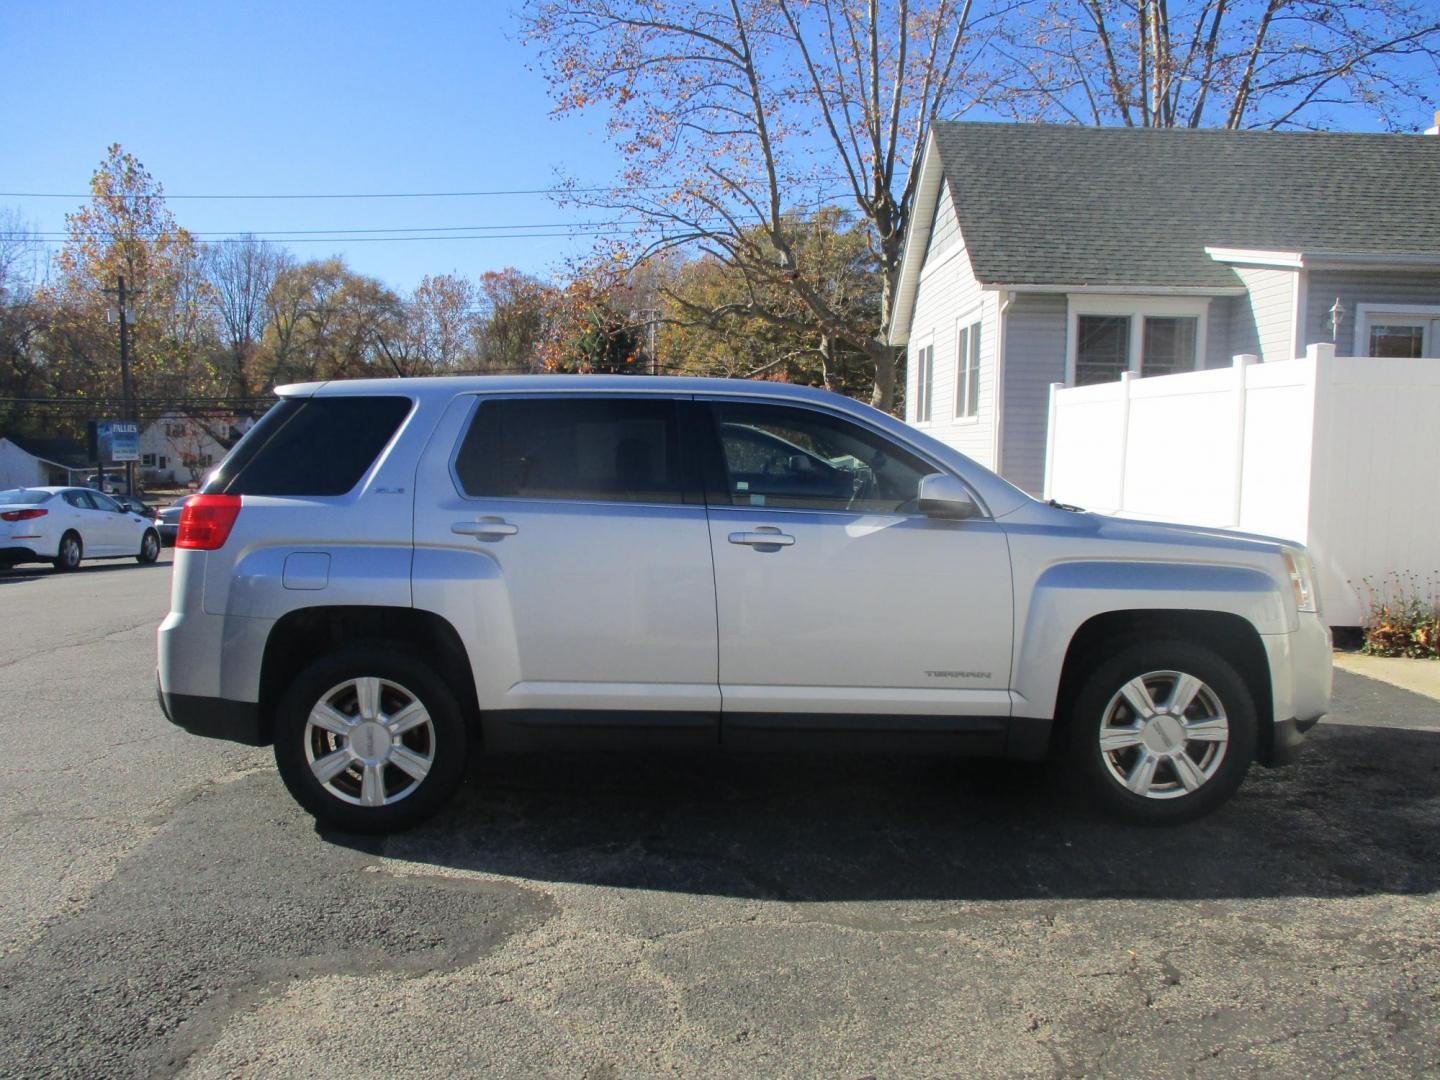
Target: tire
[
  {"x": 70, "y": 553},
  {"x": 149, "y": 548},
  {"x": 1215, "y": 733},
  {"x": 361, "y": 755}
]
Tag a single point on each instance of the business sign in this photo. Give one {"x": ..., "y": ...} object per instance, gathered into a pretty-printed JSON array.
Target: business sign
[{"x": 119, "y": 440}]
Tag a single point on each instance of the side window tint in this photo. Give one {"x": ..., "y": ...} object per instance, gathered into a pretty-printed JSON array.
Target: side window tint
[
  {"x": 104, "y": 502},
  {"x": 79, "y": 500},
  {"x": 799, "y": 458},
  {"x": 622, "y": 449}
]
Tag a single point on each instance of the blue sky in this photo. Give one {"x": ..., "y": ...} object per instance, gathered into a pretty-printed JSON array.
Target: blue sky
[{"x": 307, "y": 97}]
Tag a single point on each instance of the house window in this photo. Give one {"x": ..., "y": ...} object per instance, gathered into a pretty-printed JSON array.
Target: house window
[
  {"x": 1144, "y": 335},
  {"x": 1102, "y": 350},
  {"x": 1169, "y": 345},
  {"x": 1398, "y": 330},
  {"x": 967, "y": 371},
  {"x": 147, "y": 461},
  {"x": 163, "y": 462},
  {"x": 924, "y": 383}
]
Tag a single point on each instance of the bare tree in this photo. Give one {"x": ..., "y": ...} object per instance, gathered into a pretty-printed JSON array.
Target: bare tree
[
  {"x": 19, "y": 251},
  {"x": 241, "y": 274},
  {"x": 1219, "y": 63},
  {"x": 738, "y": 119}
]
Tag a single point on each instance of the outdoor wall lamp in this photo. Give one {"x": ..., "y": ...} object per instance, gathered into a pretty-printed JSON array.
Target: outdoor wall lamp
[{"x": 1337, "y": 316}]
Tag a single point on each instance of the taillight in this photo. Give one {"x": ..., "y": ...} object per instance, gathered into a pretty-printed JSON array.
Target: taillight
[
  {"x": 206, "y": 521},
  {"x": 22, "y": 515}
]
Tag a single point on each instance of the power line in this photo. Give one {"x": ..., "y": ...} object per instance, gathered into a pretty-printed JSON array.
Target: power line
[{"x": 271, "y": 196}]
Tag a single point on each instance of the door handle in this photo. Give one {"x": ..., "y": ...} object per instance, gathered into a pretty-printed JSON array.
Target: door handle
[
  {"x": 762, "y": 537},
  {"x": 485, "y": 529}
]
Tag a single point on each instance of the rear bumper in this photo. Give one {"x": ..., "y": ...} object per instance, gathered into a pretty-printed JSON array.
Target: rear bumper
[
  {"x": 214, "y": 718},
  {"x": 10, "y": 555}
]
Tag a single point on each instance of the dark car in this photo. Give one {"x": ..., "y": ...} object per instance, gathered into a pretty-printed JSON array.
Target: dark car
[
  {"x": 169, "y": 520},
  {"x": 137, "y": 506}
]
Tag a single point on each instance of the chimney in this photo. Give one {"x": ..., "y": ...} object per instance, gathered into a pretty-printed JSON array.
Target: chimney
[{"x": 1436, "y": 129}]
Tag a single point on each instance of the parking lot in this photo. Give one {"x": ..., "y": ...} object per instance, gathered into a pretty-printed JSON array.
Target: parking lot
[{"x": 168, "y": 910}]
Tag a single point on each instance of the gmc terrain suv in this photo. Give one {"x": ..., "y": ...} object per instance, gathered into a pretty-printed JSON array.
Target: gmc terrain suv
[{"x": 386, "y": 575}]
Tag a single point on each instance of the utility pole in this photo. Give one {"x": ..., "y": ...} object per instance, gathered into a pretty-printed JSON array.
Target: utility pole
[{"x": 126, "y": 390}]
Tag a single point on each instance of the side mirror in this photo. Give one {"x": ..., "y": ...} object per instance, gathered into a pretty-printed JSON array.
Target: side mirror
[{"x": 943, "y": 496}]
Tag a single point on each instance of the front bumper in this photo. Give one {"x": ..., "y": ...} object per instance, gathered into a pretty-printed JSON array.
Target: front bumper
[{"x": 1301, "y": 674}]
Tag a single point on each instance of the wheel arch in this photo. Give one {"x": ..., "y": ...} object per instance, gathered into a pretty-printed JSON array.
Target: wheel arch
[
  {"x": 302, "y": 636},
  {"x": 1234, "y": 638}
]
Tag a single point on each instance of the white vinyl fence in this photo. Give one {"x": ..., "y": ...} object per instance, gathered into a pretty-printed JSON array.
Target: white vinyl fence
[{"x": 1338, "y": 453}]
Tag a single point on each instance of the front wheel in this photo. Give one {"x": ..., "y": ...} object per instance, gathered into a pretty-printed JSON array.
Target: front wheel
[
  {"x": 1162, "y": 732},
  {"x": 370, "y": 739},
  {"x": 149, "y": 548}
]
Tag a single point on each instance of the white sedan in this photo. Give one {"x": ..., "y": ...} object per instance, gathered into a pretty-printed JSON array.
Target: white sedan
[{"x": 63, "y": 525}]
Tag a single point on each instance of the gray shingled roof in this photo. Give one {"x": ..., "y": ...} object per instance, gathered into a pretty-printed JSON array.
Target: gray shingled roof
[{"x": 1049, "y": 204}]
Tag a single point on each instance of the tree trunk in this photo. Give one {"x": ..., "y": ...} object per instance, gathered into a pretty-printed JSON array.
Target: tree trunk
[
  {"x": 827, "y": 365},
  {"x": 886, "y": 367}
]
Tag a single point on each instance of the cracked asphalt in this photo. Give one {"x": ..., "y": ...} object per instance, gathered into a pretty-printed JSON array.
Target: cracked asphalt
[{"x": 168, "y": 911}]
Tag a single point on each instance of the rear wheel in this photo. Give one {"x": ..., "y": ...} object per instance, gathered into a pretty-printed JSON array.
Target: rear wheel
[
  {"x": 370, "y": 739},
  {"x": 1162, "y": 732},
  {"x": 149, "y": 548},
  {"x": 69, "y": 555}
]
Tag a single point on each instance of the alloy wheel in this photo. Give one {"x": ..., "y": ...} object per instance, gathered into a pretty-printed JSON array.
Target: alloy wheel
[
  {"x": 369, "y": 741},
  {"x": 1164, "y": 734}
]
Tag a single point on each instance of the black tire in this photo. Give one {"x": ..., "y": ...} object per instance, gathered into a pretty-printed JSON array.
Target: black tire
[
  {"x": 1169, "y": 801},
  {"x": 445, "y": 741},
  {"x": 149, "y": 548},
  {"x": 72, "y": 550}
]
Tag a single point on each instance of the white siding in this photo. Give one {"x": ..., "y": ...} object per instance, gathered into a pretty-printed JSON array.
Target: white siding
[
  {"x": 1034, "y": 358},
  {"x": 948, "y": 292},
  {"x": 19, "y": 469},
  {"x": 1360, "y": 287},
  {"x": 945, "y": 232},
  {"x": 1264, "y": 325}
]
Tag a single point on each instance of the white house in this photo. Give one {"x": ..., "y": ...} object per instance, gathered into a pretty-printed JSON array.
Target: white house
[
  {"x": 26, "y": 462},
  {"x": 180, "y": 449},
  {"x": 1040, "y": 254}
]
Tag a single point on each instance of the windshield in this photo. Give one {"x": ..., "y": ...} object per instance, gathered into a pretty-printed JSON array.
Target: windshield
[{"x": 23, "y": 497}]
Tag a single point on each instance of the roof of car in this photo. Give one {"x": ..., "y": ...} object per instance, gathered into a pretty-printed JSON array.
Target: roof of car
[{"x": 635, "y": 384}]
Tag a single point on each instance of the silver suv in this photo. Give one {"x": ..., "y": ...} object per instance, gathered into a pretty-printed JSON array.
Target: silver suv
[{"x": 386, "y": 575}]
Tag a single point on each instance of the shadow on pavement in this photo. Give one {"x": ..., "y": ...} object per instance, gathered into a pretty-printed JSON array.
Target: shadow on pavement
[
  {"x": 40, "y": 571},
  {"x": 1358, "y": 814}
]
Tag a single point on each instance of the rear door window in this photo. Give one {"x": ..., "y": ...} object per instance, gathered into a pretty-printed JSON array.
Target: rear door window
[
  {"x": 597, "y": 449},
  {"x": 310, "y": 446}
]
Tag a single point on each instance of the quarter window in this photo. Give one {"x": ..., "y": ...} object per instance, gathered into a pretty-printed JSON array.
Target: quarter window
[
  {"x": 607, "y": 449},
  {"x": 967, "y": 371},
  {"x": 309, "y": 446},
  {"x": 776, "y": 456}
]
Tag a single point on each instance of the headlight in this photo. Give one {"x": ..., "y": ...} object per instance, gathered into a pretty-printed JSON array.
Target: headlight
[{"x": 1302, "y": 579}]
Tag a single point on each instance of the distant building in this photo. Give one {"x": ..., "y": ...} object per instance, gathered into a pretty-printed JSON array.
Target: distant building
[
  {"x": 180, "y": 450},
  {"x": 26, "y": 462}
]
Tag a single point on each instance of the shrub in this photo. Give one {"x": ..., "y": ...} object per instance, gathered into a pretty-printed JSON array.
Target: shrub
[{"x": 1401, "y": 616}]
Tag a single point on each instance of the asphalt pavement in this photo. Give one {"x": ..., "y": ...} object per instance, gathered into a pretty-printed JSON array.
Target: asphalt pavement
[{"x": 166, "y": 910}]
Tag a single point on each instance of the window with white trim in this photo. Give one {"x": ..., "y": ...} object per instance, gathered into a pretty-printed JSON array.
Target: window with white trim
[
  {"x": 924, "y": 382},
  {"x": 967, "y": 370},
  {"x": 1406, "y": 331},
  {"x": 1144, "y": 335}
]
